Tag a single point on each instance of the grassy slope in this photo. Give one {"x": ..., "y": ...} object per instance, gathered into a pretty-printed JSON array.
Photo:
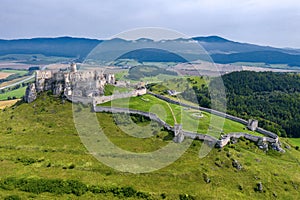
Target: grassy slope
[
  {"x": 18, "y": 93},
  {"x": 161, "y": 108},
  {"x": 44, "y": 131},
  {"x": 295, "y": 141},
  {"x": 19, "y": 72},
  {"x": 39, "y": 58},
  {"x": 111, "y": 89}
]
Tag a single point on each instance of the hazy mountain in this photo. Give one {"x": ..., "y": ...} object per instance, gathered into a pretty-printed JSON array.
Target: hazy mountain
[
  {"x": 221, "y": 50},
  {"x": 268, "y": 57},
  {"x": 215, "y": 44},
  {"x": 63, "y": 46}
]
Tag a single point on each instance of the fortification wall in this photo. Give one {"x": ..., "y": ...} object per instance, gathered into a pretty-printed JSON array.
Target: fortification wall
[
  {"x": 218, "y": 113},
  {"x": 104, "y": 99},
  {"x": 204, "y": 137}
]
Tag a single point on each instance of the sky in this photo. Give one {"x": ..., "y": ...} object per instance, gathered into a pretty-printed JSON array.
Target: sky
[{"x": 265, "y": 22}]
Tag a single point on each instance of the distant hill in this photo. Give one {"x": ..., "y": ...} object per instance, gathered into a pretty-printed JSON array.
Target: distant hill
[
  {"x": 268, "y": 57},
  {"x": 153, "y": 55},
  {"x": 62, "y": 46},
  {"x": 215, "y": 44},
  {"x": 220, "y": 49}
]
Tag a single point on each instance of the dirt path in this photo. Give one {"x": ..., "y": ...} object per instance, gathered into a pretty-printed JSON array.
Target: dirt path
[{"x": 175, "y": 121}]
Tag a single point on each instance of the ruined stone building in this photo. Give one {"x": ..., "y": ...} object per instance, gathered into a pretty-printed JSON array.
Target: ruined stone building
[{"x": 70, "y": 82}]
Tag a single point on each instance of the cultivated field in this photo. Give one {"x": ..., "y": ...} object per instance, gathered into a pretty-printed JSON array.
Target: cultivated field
[
  {"x": 214, "y": 69},
  {"x": 8, "y": 103},
  {"x": 18, "y": 93},
  {"x": 13, "y": 65},
  {"x": 4, "y": 75}
]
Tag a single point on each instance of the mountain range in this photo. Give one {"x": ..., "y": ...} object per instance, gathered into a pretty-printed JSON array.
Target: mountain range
[{"x": 220, "y": 50}]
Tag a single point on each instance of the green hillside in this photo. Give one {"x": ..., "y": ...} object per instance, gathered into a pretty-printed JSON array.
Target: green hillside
[
  {"x": 271, "y": 98},
  {"x": 18, "y": 93},
  {"x": 42, "y": 157},
  {"x": 149, "y": 103}
]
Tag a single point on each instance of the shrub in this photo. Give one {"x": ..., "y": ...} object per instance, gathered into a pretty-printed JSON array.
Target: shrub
[
  {"x": 163, "y": 196},
  {"x": 12, "y": 197},
  {"x": 59, "y": 186},
  {"x": 26, "y": 161},
  {"x": 128, "y": 191},
  {"x": 72, "y": 166},
  {"x": 186, "y": 197}
]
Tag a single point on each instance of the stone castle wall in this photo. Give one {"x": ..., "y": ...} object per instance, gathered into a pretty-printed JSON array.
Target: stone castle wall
[
  {"x": 218, "y": 113},
  {"x": 85, "y": 83},
  {"x": 198, "y": 136},
  {"x": 103, "y": 99}
]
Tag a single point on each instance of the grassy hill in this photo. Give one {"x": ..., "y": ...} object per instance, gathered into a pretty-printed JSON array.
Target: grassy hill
[
  {"x": 62, "y": 46},
  {"x": 271, "y": 98},
  {"x": 42, "y": 157},
  {"x": 149, "y": 103}
]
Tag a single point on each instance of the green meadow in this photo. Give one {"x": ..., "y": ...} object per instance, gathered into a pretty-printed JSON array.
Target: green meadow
[
  {"x": 42, "y": 157},
  {"x": 164, "y": 110},
  {"x": 18, "y": 93}
]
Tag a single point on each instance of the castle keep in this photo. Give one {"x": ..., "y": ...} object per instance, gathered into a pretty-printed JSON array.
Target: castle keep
[{"x": 70, "y": 82}]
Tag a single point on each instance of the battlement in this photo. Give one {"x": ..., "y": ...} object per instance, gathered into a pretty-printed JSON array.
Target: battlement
[{"x": 43, "y": 74}]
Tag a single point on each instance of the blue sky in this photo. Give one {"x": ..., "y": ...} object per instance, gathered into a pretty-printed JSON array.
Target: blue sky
[{"x": 265, "y": 22}]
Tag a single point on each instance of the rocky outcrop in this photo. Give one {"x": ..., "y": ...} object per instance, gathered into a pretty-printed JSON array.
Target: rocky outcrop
[
  {"x": 236, "y": 165},
  {"x": 58, "y": 88},
  {"x": 30, "y": 94},
  {"x": 259, "y": 187},
  {"x": 263, "y": 142}
]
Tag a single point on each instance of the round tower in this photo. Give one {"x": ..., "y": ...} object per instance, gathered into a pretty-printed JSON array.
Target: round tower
[{"x": 73, "y": 67}]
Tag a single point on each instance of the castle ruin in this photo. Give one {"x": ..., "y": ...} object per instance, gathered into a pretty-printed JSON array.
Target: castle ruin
[{"x": 70, "y": 82}]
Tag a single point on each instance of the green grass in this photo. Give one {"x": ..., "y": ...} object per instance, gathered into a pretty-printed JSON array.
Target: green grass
[
  {"x": 34, "y": 59},
  {"x": 44, "y": 132},
  {"x": 161, "y": 64},
  {"x": 295, "y": 141},
  {"x": 190, "y": 123},
  {"x": 158, "y": 78},
  {"x": 18, "y": 93},
  {"x": 179, "y": 84},
  {"x": 111, "y": 89},
  {"x": 19, "y": 72},
  {"x": 264, "y": 65}
]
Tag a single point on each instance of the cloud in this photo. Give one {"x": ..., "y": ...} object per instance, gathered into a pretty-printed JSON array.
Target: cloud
[{"x": 269, "y": 22}]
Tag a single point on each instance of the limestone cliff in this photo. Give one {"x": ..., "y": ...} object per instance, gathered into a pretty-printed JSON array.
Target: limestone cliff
[{"x": 30, "y": 94}]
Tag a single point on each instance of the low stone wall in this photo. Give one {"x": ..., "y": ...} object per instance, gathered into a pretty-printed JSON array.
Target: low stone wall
[
  {"x": 218, "y": 113},
  {"x": 152, "y": 116},
  {"x": 272, "y": 138},
  {"x": 226, "y": 138},
  {"x": 219, "y": 143},
  {"x": 103, "y": 99}
]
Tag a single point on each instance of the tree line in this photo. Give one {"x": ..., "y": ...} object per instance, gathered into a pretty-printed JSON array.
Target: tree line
[{"x": 272, "y": 98}]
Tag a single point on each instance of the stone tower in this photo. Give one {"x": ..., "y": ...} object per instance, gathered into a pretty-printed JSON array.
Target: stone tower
[
  {"x": 73, "y": 67},
  {"x": 252, "y": 124},
  {"x": 178, "y": 135}
]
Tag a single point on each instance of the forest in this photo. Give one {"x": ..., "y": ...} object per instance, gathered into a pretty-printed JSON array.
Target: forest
[{"x": 272, "y": 98}]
